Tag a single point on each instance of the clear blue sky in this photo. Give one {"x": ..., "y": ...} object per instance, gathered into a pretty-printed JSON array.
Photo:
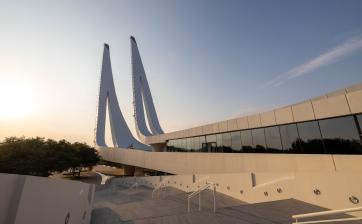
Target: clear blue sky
[{"x": 205, "y": 60}]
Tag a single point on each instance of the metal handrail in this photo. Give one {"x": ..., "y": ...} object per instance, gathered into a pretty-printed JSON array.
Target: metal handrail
[
  {"x": 317, "y": 214},
  {"x": 198, "y": 192},
  {"x": 135, "y": 185},
  {"x": 161, "y": 185}
]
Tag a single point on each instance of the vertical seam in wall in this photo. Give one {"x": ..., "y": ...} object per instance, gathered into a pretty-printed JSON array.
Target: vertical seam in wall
[
  {"x": 16, "y": 197},
  {"x": 349, "y": 108},
  {"x": 291, "y": 108},
  {"x": 334, "y": 163},
  {"x": 247, "y": 121},
  {"x": 275, "y": 118},
  {"x": 315, "y": 117}
]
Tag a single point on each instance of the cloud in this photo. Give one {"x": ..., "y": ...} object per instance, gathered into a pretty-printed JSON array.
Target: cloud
[{"x": 331, "y": 56}]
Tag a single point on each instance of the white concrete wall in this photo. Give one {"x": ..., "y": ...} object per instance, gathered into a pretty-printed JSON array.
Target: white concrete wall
[
  {"x": 28, "y": 199},
  {"x": 201, "y": 163},
  {"x": 335, "y": 187}
]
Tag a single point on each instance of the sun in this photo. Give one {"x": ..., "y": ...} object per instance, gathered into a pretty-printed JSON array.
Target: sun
[{"x": 17, "y": 99}]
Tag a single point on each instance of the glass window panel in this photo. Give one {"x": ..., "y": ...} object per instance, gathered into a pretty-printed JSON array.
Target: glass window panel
[
  {"x": 359, "y": 118},
  {"x": 188, "y": 143},
  {"x": 196, "y": 144},
  {"x": 175, "y": 142},
  {"x": 178, "y": 144},
  {"x": 247, "y": 141},
  {"x": 310, "y": 137},
  {"x": 290, "y": 137},
  {"x": 192, "y": 145},
  {"x": 235, "y": 141},
  {"x": 184, "y": 144},
  {"x": 210, "y": 138},
  {"x": 202, "y": 140},
  {"x": 219, "y": 143},
  {"x": 340, "y": 135},
  {"x": 272, "y": 139},
  {"x": 259, "y": 140},
  {"x": 169, "y": 143},
  {"x": 226, "y": 142}
]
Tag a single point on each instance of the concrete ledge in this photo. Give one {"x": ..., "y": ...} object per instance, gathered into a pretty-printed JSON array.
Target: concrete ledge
[{"x": 194, "y": 163}]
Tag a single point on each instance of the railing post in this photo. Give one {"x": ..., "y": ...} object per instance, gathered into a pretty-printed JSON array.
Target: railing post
[
  {"x": 199, "y": 201},
  {"x": 214, "y": 198}
]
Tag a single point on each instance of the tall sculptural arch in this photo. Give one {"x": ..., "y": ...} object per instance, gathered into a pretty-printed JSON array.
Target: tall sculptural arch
[
  {"x": 121, "y": 135},
  {"x": 142, "y": 98}
]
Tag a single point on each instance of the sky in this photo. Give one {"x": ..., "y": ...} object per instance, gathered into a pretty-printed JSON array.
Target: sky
[{"x": 205, "y": 61}]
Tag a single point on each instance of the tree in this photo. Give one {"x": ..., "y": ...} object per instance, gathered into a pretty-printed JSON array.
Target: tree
[{"x": 40, "y": 157}]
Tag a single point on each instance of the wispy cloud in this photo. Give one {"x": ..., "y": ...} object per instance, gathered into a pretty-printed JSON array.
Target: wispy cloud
[{"x": 331, "y": 56}]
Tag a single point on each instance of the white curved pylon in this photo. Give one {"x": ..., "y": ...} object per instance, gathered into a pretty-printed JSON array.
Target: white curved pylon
[
  {"x": 142, "y": 96},
  {"x": 121, "y": 135}
]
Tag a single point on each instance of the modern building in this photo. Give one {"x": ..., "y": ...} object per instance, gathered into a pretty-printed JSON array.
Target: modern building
[{"x": 309, "y": 151}]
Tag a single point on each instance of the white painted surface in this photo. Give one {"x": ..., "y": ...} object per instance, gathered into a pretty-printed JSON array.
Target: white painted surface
[{"x": 40, "y": 200}]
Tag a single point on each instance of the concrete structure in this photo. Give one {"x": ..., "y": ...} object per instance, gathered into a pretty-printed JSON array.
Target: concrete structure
[
  {"x": 117, "y": 202},
  {"x": 121, "y": 135},
  {"x": 29, "y": 199},
  {"x": 344, "y": 102},
  {"x": 306, "y": 151},
  {"x": 142, "y": 96}
]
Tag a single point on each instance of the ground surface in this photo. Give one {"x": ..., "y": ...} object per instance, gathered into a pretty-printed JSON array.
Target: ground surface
[{"x": 116, "y": 204}]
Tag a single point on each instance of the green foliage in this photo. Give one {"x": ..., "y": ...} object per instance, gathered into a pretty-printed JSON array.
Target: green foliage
[{"x": 40, "y": 157}]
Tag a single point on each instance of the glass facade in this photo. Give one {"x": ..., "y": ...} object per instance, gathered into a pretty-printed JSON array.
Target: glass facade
[
  {"x": 340, "y": 135},
  {"x": 272, "y": 139},
  {"x": 210, "y": 138},
  {"x": 246, "y": 141},
  {"x": 359, "y": 120},
  {"x": 226, "y": 142},
  {"x": 310, "y": 138},
  {"x": 258, "y": 140},
  {"x": 219, "y": 144},
  {"x": 290, "y": 137},
  {"x": 236, "y": 141}
]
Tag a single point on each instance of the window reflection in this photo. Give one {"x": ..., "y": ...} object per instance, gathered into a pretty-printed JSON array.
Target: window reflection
[
  {"x": 219, "y": 144},
  {"x": 359, "y": 120},
  {"x": 184, "y": 145},
  {"x": 272, "y": 139},
  {"x": 310, "y": 137},
  {"x": 340, "y": 135},
  {"x": 235, "y": 141},
  {"x": 202, "y": 140},
  {"x": 258, "y": 140},
  {"x": 226, "y": 142},
  {"x": 247, "y": 141},
  {"x": 188, "y": 144},
  {"x": 210, "y": 138},
  {"x": 289, "y": 137}
]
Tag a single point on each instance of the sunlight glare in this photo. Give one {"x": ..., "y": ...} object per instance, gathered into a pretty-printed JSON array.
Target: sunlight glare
[{"x": 17, "y": 99}]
